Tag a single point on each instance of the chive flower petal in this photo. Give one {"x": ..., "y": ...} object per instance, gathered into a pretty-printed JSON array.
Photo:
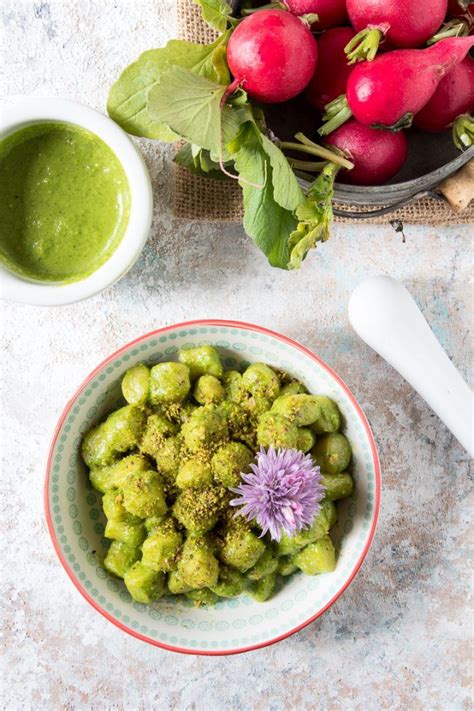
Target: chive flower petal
[{"x": 282, "y": 493}]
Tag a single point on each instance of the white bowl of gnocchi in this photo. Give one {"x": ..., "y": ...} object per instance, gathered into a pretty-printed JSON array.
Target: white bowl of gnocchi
[{"x": 142, "y": 477}]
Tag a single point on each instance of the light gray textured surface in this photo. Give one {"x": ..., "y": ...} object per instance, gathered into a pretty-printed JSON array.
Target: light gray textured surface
[{"x": 400, "y": 636}]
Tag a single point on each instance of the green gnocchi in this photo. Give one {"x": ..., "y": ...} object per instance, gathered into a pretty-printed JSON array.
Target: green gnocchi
[{"x": 166, "y": 461}]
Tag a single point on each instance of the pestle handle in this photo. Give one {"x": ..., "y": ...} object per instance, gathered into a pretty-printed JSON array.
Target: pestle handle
[{"x": 384, "y": 314}]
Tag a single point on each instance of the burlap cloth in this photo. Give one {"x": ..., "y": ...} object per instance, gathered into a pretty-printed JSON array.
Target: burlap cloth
[{"x": 196, "y": 198}]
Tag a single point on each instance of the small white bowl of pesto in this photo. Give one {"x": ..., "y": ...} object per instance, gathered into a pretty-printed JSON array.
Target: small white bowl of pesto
[{"x": 76, "y": 202}]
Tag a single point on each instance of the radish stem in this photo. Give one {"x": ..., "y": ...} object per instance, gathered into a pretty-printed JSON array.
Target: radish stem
[
  {"x": 233, "y": 86},
  {"x": 365, "y": 44},
  {"x": 453, "y": 28},
  {"x": 463, "y": 132},
  {"x": 336, "y": 113},
  {"x": 310, "y": 166},
  {"x": 269, "y": 6},
  {"x": 309, "y": 18},
  {"x": 303, "y": 139},
  {"x": 319, "y": 151}
]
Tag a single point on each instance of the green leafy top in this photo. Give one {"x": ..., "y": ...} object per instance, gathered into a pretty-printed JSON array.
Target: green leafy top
[
  {"x": 189, "y": 103},
  {"x": 287, "y": 191},
  {"x": 265, "y": 220},
  {"x": 128, "y": 98},
  {"x": 216, "y": 13},
  {"x": 314, "y": 215},
  {"x": 181, "y": 91}
]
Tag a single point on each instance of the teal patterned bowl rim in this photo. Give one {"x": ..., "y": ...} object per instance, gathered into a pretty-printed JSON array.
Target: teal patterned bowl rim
[{"x": 61, "y": 550}]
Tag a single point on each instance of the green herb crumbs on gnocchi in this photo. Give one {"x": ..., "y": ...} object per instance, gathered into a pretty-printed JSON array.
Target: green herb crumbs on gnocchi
[{"x": 165, "y": 461}]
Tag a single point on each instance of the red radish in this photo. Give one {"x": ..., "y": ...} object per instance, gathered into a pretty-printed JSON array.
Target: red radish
[
  {"x": 453, "y": 97},
  {"x": 330, "y": 78},
  {"x": 377, "y": 155},
  {"x": 272, "y": 55},
  {"x": 329, "y": 12},
  {"x": 389, "y": 91},
  {"x": 404, "y": 23}
]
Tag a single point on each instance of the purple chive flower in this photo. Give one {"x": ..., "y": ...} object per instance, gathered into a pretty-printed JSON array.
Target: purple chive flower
[{"x": 282, "y": 493}]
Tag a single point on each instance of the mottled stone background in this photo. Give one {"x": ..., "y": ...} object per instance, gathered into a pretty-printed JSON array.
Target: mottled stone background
[{"x": 399, "y": 637}]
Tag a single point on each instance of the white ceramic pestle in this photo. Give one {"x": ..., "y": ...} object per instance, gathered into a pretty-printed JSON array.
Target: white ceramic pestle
[{"x": 384, "y": 314}]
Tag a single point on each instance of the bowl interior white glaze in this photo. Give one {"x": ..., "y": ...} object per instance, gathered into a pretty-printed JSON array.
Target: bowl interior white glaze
[
  {"x": 76, "y": 522},
  {"x": 37, "y": 110}
]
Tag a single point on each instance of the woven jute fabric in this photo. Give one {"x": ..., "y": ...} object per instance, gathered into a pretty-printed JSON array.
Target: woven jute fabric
[{"x": 197, "y": 198}]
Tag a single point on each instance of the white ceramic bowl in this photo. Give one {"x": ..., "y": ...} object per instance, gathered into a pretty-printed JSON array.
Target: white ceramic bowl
[
  {"x": 34, "y": 110},
  {"x": 76, "y": 523}
]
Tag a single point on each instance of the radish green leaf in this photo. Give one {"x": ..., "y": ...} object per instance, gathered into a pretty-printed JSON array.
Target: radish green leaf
[
  {"x": 215, "y": 12},
  {"x": 128, "y": 98},
  {"x": 190, "y": 105},
  {"x": 286, "y": 190},
  {"x": 314, "y": 215},
  {"x": 265, "y": 221}
]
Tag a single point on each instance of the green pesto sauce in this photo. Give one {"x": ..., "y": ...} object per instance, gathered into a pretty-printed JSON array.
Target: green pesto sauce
[{"x": 65, "y": 202}]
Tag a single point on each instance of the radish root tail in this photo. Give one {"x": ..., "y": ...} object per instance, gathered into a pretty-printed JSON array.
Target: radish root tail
[{"x": 243, "y": 180}]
